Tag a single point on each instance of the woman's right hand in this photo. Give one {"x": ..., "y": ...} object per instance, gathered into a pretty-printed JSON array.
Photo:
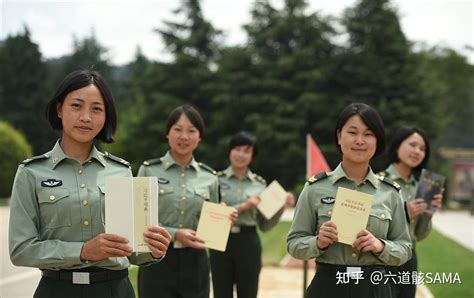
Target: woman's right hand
[
  {"x": 250, "y": 203},
  {"x": 327, "y": 235},
  {"x": 188, "y": 238},
  {"x": 104, "y": 246},
  {"x": 416, "y": 207}
]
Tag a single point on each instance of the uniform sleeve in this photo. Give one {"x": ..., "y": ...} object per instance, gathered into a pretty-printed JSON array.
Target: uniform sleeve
[
  {"x": 142, "y": 171},
  {"x": 301, "y": 240},
  {"x": 143, "y": 259},
  {"x": 26, "y": 247},
  {"x": 214, "y": 191},
  {"x": 267, "y": 224},
  {"x": 422, "y": 227},
  {"x": 398, "y": 246}
]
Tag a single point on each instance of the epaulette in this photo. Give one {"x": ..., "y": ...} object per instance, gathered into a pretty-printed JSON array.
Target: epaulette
[
  {"x": 220, "y": 173},
  {"x": 259, "y": 179},
  {"x": 28, "y": 160},
  {"x": 389, "y": 182},
  {"x": 382, "y": 173},
  {"x": 154, "y": 161},
  {"x": 320, "y": 176},
  {"x": 207, "y": 168},
  {"x": 117, "y": 159}
]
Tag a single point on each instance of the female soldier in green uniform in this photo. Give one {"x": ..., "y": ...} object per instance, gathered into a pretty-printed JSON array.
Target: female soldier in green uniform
[
  {"x": 408, "y": 153},
  {"x": 184, "y": 185},
  {"x": 359, "y": 136},
  {"x": 57, "y": 204},
  {"x": 240, "y": 264}
]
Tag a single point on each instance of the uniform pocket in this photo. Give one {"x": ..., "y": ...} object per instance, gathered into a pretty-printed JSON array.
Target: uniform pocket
[
  {"x": 204, "y": 194},
  {"x": 379, "y": 222},
  {"x": 55, "y": 207},
  {"x": 324, "y": 213},
  {"x": 166, "y": 204}
]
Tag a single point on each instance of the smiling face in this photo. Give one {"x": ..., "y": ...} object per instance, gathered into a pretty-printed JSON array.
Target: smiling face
[
  {"x": 183, "y": 138},
  {"x": 412, "y": 151},
  {"x": 358, "y": 143},
  {"x": 82, "y": 115},
  {"x": 241, "y": 156}
]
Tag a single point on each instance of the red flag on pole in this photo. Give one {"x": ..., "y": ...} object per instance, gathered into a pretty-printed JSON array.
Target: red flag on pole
[{"x": 315, "y": 161}]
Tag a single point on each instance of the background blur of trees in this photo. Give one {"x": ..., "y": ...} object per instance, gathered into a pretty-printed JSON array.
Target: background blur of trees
[{"x": 294, "y": 74}]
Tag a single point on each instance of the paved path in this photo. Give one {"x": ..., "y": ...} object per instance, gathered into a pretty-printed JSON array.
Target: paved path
[{"x": 456, "y": 225}]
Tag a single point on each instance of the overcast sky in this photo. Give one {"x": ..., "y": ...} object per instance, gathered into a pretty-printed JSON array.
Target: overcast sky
[{"x": 123, "y": 25}]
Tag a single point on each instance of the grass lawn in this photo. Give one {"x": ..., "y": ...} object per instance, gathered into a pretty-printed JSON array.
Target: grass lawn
[
  {"x": 440, "y": 254},
  {"x": 273, "y": 246}
]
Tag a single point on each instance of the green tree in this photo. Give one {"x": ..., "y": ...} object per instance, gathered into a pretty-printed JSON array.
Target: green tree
[
  {"x": 23, "y": 95},
  {"x": 13, "y": 149}
]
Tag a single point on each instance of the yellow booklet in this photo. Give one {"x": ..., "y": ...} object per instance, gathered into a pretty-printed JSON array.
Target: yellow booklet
[
  {"x": 131, "y": 206},
  {"x": 351, "y": 213},
  {"x": 272, "y": 199},
  {"x": 214, "y": 225}
]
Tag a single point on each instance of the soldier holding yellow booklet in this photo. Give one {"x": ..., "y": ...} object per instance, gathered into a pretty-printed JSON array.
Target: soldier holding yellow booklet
[{"x": 343, "y": 270}]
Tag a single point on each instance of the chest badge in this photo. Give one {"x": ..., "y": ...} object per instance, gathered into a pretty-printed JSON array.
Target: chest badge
[
  {"x": 224, "y": 185},
  {"x": 163, "y": 181},
  {"x": 51, "y": 183},
  {"x": 328, "y": 200}
]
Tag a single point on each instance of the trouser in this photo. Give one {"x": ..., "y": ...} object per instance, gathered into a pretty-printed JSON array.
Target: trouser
[
  {"x": 404, "y": 290},
  {"x": 183, "y": 273},
  {"x": 328, "y": 282},
  {"x": 240, "y": 264},
  {"x": 60, "y": 285}
]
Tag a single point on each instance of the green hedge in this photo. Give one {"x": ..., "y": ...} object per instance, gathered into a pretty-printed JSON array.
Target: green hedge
[{"x": 13, "y": 149}]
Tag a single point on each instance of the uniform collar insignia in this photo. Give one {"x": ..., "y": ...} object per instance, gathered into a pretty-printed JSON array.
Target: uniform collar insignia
[
  {"x": 163, "y": 181},
  {"x": 51, "y": 183},
  {"x": 328, "y": 200}
]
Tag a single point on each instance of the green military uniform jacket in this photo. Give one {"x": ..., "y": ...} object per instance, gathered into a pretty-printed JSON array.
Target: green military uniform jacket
[
  {"x": 419, "y": 227},
  {"x": 57, "y": 204},
  {"x": 387, "y": 222},
  {"x": 181, "y": 191},
  {"x": 235, "y": 191}
]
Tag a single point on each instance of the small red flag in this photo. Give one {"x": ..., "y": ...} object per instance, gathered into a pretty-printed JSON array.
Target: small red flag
[{"x": 315, "y": 161}]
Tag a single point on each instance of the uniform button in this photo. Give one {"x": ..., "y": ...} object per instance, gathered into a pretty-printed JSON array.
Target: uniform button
[
  {"x": 85, "y": 202},
  {"x": 182, "y": 212},
  {"x": 382, "y": 215},
  {"x": 83, "y": 185},
  {"x": 182, "y": 175},
  {"x": 183, "y": 185},
  {"x": 86, "y": 222},
  {"x": 55, "y": 160},
  {"x": 52, "y": 198},
  {"x": 409, "y": 197},
  {"x": 329, "y": 212},
  {"x": 180, "y": 225},
  {"x": 354, "y": 255},
  {"x": 162, "y": 190},
  {"x": 183, "y": 198},
  {"x": 406, "y": 186},
  {"x": 79, "y": 172}
]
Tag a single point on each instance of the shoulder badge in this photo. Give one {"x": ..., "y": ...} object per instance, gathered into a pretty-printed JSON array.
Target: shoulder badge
[
  {"x": 320, "y": 176},
  {"x": 259, "y": 179},
  {"x": 382, "y": 173},
  {"x": 220, "y": 173},
  {"x": 28, "y": 160},
  {"x": 154, "y": 161},
  {"x": 207, "y": 168},
  {"x": 390, "y": 182},
  {"x": 117, "y": 159}
]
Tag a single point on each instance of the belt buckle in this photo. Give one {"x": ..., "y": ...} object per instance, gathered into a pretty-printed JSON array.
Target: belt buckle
[
  {"x": 353, "y": 272},
  {"x": 177, "y": 244},
  {"x": 81, "y": 278},
  {"x": 235, "y": 229}
]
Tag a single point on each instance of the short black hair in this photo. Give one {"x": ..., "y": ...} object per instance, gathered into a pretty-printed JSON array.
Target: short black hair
[
  {"x": 76, "y": 80},
  {"x": 371, "y": 118},
  {"x": 401, "y": 135},
  {"x": 191, "y": 112},
  {"x": 244, "y": 138}
]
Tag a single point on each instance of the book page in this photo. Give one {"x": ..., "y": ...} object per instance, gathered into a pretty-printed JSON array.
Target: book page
[
  {"x": 430, "y": 184},
  {"x": 131, "y": 206},
  {"x": 272, "y": 199},
  {"x": 214, "y": 225},
  {"x": 351, "y": 213}
]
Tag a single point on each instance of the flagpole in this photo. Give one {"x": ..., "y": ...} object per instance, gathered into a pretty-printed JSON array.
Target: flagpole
[{"x": 308, "y": 172}]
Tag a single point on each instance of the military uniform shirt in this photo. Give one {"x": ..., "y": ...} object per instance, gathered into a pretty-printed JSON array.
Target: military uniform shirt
[
  {"x": 420, "y": 226},
  {"x": 387, "y": 222},
  {"x": 57, "y": 204},
  {"x": 235, "y": 191},
  {"x": 181, "y": 191}
]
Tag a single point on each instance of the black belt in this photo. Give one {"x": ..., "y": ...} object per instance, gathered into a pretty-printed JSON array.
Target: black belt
[
  {"x": 331, "y": 268},
  {"x": 243, "y": 229},
  {"x": 86, "y": 276}
]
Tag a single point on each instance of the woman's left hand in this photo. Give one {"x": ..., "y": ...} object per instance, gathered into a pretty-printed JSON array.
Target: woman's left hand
[
  {"x": 437, "y": 200},
  {"x": 366, "y": 241},
  {"x": 158, "y": 240},
  {"x": 290, "y": 200},
  {"x": 234, "y": 215}
]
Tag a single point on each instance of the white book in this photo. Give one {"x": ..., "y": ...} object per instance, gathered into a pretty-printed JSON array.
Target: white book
[
  {"x": 272, "y": 199},
  {"x": 131, "y": 206},
  {"x": 214, "y": 225}
]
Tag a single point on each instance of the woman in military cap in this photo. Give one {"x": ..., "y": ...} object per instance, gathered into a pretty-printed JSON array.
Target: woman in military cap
[
  {"x": 184, "y": 185},
  {"x": 57, "y": 204},
  {"x": 359, "y": 135},
  {"x": 408, "y": 154},
  {"x": 240, "y": 264}
]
